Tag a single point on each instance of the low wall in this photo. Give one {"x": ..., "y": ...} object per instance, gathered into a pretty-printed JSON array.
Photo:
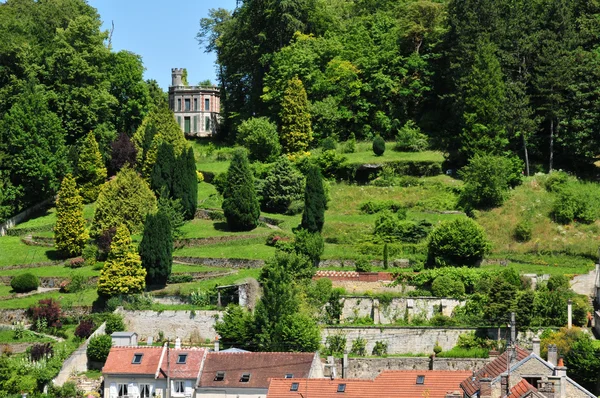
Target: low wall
[
  {"x": 187, "y": 325},
  {"x": 220, "y": 262},
  {"x": 355, "y": 276},
  {"x": 415, "y": 340},
  {"x": 398, "y": 308},
  {"x": 10, "y": 316},
  {"x": 369, "y": 368},
  {"x": 24, "y": 216}
]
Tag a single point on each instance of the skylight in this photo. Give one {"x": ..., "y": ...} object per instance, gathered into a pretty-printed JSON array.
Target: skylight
[
  {"x": 220, "y": 376},
  {"x": 294, "y": 387},
  {"x": 137, "y": 359},
  {"x": 181, "y": 358},
  {"x": 420, "y": 379},
  {"x": 289, "y": 375},
  {"x": 245, "y": 378},
  {"x": 341, "y": 388}
]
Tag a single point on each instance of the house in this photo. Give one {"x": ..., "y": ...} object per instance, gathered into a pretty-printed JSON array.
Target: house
[
  {"x": 142, "y": 372},
  {"x": 196, "y": 108},
  {"x": 389, "y": 384},
  {"x": 519, "y": 373},
  {"x": 247, "y": 374}
]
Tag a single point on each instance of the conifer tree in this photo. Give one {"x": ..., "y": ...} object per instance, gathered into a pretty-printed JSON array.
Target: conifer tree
[
  {"x": 185, "y": 183},
  {"x": 315, "y": 201},
  {"x": 122, "y": 273},
  {"x": 122, "y": 152},
  {"x": 162, "y": 175},
  {"x": 70, "y": 235},
  {"x": 156, "y": 248},
  {"x": 240, "y": 203},
  {"x": 91, "y": 172},
  {"x": 296, "y": 130}
]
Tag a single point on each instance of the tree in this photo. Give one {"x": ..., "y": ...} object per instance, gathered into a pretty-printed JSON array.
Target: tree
[
  {"x": 311, "y": 245},
  {"x": 583, "y": 361},
  {"x": 240, "y": 203},
  {"x": 378, "y": 146},
  {"x": 90, "y": 173},
  {"x": 235, "y": 327},
  {"x": 460, "y": 242},
  {"x": 296, "y": 130},
  {"x": 163, "y": 172},
  {"x": 315, "y": 201},
  {"x": 259, "y": 136},
  {"x": 283, "y": 186},
  {"x": 185, "y": 183},
  {"x": 70, "y": 235},
  {"x": 126, "y": 199},
  {"x": 122, "y": 273},
  {"x": 123, "y": 152},
  {"x": 156, "y": 249},
  {"x": 99, "y": 348}
]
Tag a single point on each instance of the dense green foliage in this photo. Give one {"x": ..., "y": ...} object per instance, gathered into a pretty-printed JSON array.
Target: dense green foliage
[
  {"x": 296, "y": 130},
  {"x": 156, "y": 248},
  {"x": 457, "y": 243},
  {"x": 240, "y": 202},
  {"x": 98, "y": 348},
  {"x": 70, "y": 235},
  {"x": 283, "y": 186},
  {"x": 24, "y": 283},
  {"x": 259, "y": 136},
  {"x": 90, "y": 172},
  {"x": 446, "y": 286},
  {"x": 315, "y": 201},
  {"x": 378, "y": 145}
]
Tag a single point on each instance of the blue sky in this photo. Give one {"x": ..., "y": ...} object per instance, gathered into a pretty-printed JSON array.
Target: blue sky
[{"x": 164, "y": 35}]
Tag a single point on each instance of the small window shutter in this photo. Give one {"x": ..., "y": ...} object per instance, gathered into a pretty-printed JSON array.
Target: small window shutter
[
  {"x": 113, "y": 390},
  {"x": 195, "y": 124}
]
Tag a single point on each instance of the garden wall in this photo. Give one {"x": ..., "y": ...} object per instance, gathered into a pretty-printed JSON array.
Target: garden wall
[
  {"x": 24, "y": 216},
  {"x": 355, "y": 276}
]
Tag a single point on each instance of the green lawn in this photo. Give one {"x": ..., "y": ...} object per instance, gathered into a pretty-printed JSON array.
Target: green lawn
[
  {"x": 364, "y": 154},
  {"x": 15, "y": 252},
  {"x": 50, "y": 217},
  {"x": 249, "y": 249},
  {"x": 85, "y": 298},
  {"x": 207, "y": 228},
  {"x": 186, "y": 288},
  {"x": 7, "y": 336},
  {"x": 59, "y": 271},
  {"x": 180, "y": 268}
]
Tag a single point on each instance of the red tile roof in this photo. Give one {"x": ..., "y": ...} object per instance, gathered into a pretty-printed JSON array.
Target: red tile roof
[
  {"x": 389, "y": 384},
  {"x": 188, "y": 370},
  {"x": 492, "y": 370},
  {"x": 261, "y": 366},
  {"x": 120, "y": 359},
  {"x": 521, "y": 388}
]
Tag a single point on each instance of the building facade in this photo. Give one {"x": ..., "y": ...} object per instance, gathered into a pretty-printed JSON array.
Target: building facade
[{"x": 196, "y": 108}]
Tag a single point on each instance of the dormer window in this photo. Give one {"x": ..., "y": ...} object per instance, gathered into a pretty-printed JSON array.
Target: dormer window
[
  {"x": 294, "y": 387},
  {"x": 181, "y": 358},
  {"x": 220, "y": 376},
  {"x": 420, "y": 379},
  {"x": 289, "y": 375},
  {"x": 341, "y": 388},
  {"x": 245, "y": 378},
  {"x": 137, "y": 359}
]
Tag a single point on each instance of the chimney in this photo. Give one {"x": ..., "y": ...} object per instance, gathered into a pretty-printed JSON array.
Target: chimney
[
  {"x": 513, "y": 329},
  {"x": 177, "y": 343},
  {"x": 216, "y": 344},
  {"x": 345, "y": 366},
  {"x": 560, "y": 386},
  {"x": 485, "y": 388},
  {"x": 570, "y": 313},
  {"x": 504, "y": 385},
  {"x": 536, "y": 346},
  {"x": 552, "y": 354},
  {"x": 560, "y": 370}
]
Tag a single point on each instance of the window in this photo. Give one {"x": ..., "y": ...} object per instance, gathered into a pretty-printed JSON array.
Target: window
[
  {"x": 207, "y": 123},
  {"x": 341, "y": 388},
  {"x": 294, "y": 387},
  {"x": 122, "y": 390},
  {"x": 178, "y": 104},
  {"x": 245, "y": 378},
  {"x": 179, "y": 387},
  {"x": 187, "y": 124},
  {"x": 220, "y": 376},
  {"x": 206, "y": 104},
  {"x": 137, "y": 359},
  {"x": 420, "y": 379},
  {"x": 195, "y": 104},
  {"x": 289, "y": 375},
  {"x": 145, "y": 391},
  {"x": 187, "y": 104},
  {"x": 181, "y": 358}
]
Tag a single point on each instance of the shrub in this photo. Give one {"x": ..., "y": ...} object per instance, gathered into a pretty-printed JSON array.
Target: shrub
[
  {"x": 283, "y": 186},
  {"x": 556, "y": 180},
  {"x": 523, "y": 231},
  {"x": 437, "y": 348},
  {"x": 98, "y": 348},
  {"x": 156, "y": 248},
  {"x": 276, "y": 236},
  {"x": 259, "y": 136},
  {"x": 380, "y": 349},
  {"x": 24, "y": 283},
  {"x": 359, "y": 347},
  {"x": 296, "y": 129},
  {"x": 309, "y": 244},
  {"x": 331, "y": 163},
  {"x": 378, "y": 146},
  {"x": 350, "y": 144},
  {"x": 47, "y": 312},
  {"x": 104, "y": 240},
  {"x": 446, "y": 286},
  {"x": 77, "y": 283},
  {"x": 410, "y": 138},
  {"x": 362, "y": 265},
  {"x": 315, "y": 201},
  {"x": 575, "y": 202},
  {"x": 240, "y": 202},
  {"x": 457, "y": 243},
  {"x": 375, "y": 206},
  {"x": 179, "y": 278},
  {"x": 70, "y": 235},
  {"x": 390, "y": 228},
  {"x": 77, "y": 262},
  {"x": 199, "y": 176},
  {"x": 90, "y": 253},
  {"x": 90, "y": 171},
  {"x": 203, "y": 298},
  {"x": 85, "y": 328},
  {"x": 114, "y": 323},
  {"x": 329, "y": 144},
  {"x": 40, "y": 351},
  {"x": 335, "y": 344}
]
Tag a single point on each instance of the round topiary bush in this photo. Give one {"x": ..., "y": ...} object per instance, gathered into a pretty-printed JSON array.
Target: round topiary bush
[
  {"x": 460, "y": 242},
  {"x": 378, "y": 146},
  {"x": 98, "y": 348},
  {"x": 523, "y": 231},
  {"x": 329, "y": 144},
  {"x": 446, "y": 286},
  {"x": 24, "y": 283}
]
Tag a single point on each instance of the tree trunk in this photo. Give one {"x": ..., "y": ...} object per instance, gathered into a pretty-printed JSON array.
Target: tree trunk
[
  {"x": 526, "y": 154},
  {"x": 551, "y": 162}
]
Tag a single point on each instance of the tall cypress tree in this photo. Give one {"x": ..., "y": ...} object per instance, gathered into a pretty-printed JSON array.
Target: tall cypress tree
[
  {"x": 315, "y": 201},
  {"x": 156, "y": 248},
  {"x": 163, "y": 172},
  {"x": 240, "y": 203},
  {"x": 91, "y": 172},
  {"x": 296, "y": 129},
  {"x": 185, "y": 183},
  {"x": 69, "y": 232}
]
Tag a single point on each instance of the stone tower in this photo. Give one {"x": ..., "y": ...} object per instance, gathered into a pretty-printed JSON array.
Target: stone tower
[{"x": 176, "y": 76}]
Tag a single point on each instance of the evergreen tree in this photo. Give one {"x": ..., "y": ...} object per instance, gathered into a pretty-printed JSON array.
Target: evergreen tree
[
  {"x": 315, "y": 201},
  {"x": 91, "y": 172},
  {"x": 70, "y": 235},
  {"x": 240, "y": 203},
  {"x": 185, "y": 183},
  {"x": 123, "y": 152},
  {"x": 163, "y": 171},
  {"x": 283, "y": 186},
  {"x": 296, "y": 130},
  {"x": 122, "y": 273},
  {"x": 156, "y": 248}
]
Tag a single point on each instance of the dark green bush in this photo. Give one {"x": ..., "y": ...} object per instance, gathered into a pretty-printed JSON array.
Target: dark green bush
[
  {"x": 98, "y": 348},
  {"x": 329, "y": 144},
  {"x": 90, "y": 252},
  {"x": 359, "y": 347},
  {"x": 310, "y": 244},
  {"x": 259, "y": 136},
  {"x": 283, "y": 185},
  {"x": 114, "y": 323},
  {"x": 380, "y": 349},
  {"x": 375, "y": 206},
  {"x": 24, "y": 283},
  {"x": 332, "y": 164},
  {"x": 575, "y": 202},
  {"x": 456, "y": 243},
  {"x": 362, "y": 265},
  {"x": 378, "y": 146},
  {"x": 446, "y": 286},
  {"x": 410, "y": 138},
  {"x": 523, "y": 231},
  {"x": 335, "y": 344},
  {"x": 556, "y": 180},
  {"x": 350, "y": 144},
  {"x": 179, "y": 278},
  {"x": 390, "y": 228},
  {"x": 240, "y": 202}
]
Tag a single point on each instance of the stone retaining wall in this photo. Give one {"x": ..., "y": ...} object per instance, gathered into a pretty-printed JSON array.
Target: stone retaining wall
[
  {"x": 192, "y": 242},
  {"x": 49, "y": 281},
  {"x": 24, "y": 215},
  {"x": 9, "y": 316},
  {"x": 220, "y": 262},
  {"x": 399, "y": 308},
  {"x": 355, "y": 276}
]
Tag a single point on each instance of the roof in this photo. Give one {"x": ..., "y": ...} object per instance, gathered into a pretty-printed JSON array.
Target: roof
[
  {"x": 123, "y": 334},
  {"x": 187, "y": 370},
  {"x": 522, "y": 388},
  {"x": 492, "y": 370},
  {"x": 261, "y": 366},
  {"x": 389, "y": 384},
  {"x": 234, "y": 349}
]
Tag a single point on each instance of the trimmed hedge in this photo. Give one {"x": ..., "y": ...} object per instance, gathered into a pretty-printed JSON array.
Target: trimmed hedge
[{"x": 24, "y": 283}]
